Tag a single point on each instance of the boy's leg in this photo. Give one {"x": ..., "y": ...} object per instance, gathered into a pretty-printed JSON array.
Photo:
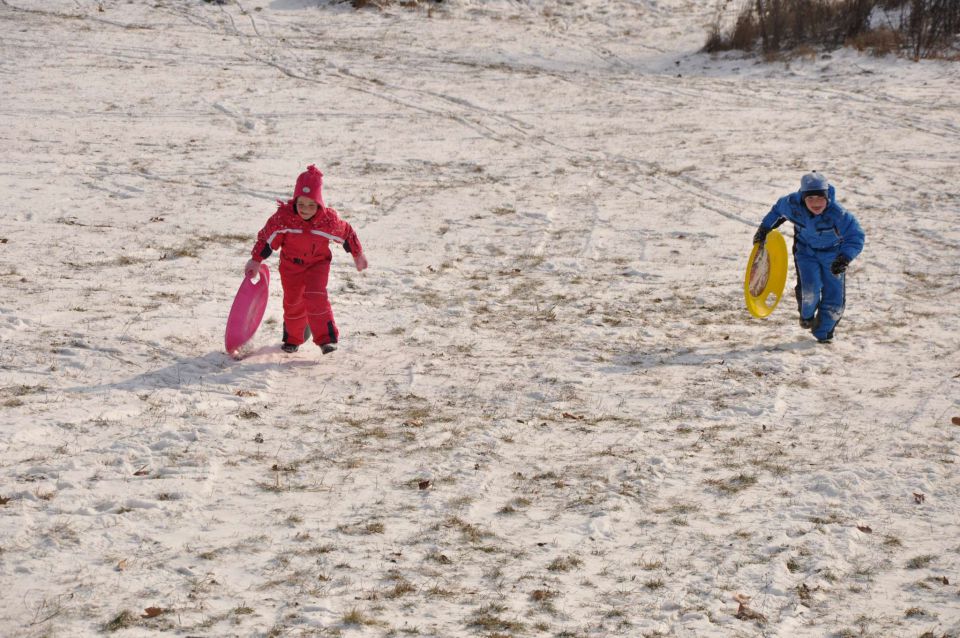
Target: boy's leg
[
  {"x": 809, "y": 284},
  {"x": 834, "y": 299},
  {"x": 319, "y": 311},
  {"x": 294, "y": 308},
  {"x": 805, "y": 322}
]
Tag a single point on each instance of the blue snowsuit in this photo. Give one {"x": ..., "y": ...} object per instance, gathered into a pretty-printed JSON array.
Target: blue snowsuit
[{"x": 817, "y": 241}]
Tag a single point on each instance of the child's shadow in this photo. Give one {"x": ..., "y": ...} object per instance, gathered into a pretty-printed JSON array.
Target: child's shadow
[{"x": 207, "y": 372}]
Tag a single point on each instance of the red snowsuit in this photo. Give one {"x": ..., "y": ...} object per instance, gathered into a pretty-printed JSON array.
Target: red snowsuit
[{"x": 305, "y": 266}]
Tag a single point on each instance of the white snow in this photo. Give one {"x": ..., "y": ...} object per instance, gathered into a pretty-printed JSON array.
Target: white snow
[{"x": 550, "y": 413}]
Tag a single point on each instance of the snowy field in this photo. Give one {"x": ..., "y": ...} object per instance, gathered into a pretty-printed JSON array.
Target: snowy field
[{"x": 550, "y": 413}]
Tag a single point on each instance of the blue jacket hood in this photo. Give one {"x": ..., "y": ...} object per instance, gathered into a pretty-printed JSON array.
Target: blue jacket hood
[
  {"x": 831, "y": 196},
  {"x": 836, "y": 229}
]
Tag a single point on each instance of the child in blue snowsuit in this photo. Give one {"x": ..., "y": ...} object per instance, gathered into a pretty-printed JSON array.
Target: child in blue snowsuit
[{"x": 826, "y": 238}]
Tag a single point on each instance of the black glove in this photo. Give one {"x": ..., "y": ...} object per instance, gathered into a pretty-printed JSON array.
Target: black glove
[
  {"x": 840, "y": 264},
  {"x": 761, "y": 235}
]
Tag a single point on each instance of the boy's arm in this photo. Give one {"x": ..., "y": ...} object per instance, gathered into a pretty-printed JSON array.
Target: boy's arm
[
  {"x": 771, "y": 220},
  {"x": 852, "y": 236},
  {"x": 779, "y": 213}
]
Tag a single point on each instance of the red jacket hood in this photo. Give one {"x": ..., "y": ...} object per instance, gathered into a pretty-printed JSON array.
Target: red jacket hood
[{"x": 324, "y": 215}]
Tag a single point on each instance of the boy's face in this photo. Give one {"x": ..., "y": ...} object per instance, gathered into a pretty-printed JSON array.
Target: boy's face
[
  {"x": 306, "y": 207},
  {"x": 816, "y": 204}
]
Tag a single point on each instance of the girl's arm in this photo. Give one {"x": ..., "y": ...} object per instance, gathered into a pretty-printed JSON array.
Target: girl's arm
[
  {"x": 351, "y": 243},
  {"x": 263, "y": 248}
]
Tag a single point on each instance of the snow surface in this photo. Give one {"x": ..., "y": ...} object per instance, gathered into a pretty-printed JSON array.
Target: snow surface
[{"x": 550, "y": 414}]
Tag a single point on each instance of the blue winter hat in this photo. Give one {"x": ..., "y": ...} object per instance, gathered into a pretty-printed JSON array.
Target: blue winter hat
[{"x": 813, "y": 181}]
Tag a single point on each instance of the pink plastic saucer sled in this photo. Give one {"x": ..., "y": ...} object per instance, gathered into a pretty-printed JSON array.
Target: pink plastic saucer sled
[{"x": 247, "y": 311}]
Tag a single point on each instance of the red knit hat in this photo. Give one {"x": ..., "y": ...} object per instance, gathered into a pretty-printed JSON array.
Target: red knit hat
[{"x": 309, "y": 185}]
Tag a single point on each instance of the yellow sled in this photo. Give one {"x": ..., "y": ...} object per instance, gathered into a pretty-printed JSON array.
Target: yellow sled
[{"x": 766, "y": 275}]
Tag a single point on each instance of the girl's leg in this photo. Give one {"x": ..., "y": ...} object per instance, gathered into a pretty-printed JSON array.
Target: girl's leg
[
  {"x": 294, "y": 309},
  {"x": 319, "y": 311}
]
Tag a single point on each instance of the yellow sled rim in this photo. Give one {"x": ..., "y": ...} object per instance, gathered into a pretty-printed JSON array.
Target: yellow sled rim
[{"x": 766, "y": 275}]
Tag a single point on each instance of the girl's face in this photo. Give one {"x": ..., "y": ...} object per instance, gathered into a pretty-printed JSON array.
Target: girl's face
[
  {"x": 306, "y": 207},
  {"x": 816, "y": 204}
]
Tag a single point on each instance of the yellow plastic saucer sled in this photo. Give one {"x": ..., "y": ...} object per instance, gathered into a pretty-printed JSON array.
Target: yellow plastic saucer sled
[{"x": 766, "y": 275}]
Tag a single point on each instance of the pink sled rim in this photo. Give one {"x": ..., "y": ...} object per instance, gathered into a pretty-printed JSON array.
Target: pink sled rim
[{"x": 247, "y": 311}]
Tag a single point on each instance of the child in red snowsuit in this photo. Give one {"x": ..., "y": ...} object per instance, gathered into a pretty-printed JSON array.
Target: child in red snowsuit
[{"x": 302, "y": 229}]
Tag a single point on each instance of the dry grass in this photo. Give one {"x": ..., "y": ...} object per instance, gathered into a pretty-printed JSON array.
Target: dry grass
[
  {"x": 564, "y": 564},
  {"x": 124, "y": 620},
  {"x": 733, "y": 484},
  {"x": 490, "y": 618}
]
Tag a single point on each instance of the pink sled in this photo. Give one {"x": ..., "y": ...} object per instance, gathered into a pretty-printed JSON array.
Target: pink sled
[{"x": 247, "y": 311}]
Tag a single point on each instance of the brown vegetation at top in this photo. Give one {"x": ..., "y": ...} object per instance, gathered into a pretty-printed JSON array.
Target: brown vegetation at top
[{"x": 919, "y": 28}]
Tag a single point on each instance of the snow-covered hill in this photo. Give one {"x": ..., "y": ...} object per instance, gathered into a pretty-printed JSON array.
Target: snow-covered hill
[{"x": 550, "y": 413}]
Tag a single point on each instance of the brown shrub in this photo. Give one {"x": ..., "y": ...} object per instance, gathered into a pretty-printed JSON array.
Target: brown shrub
[
  {"x": 878, "y": 42},
  {"x": 924, "y": 28}
]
